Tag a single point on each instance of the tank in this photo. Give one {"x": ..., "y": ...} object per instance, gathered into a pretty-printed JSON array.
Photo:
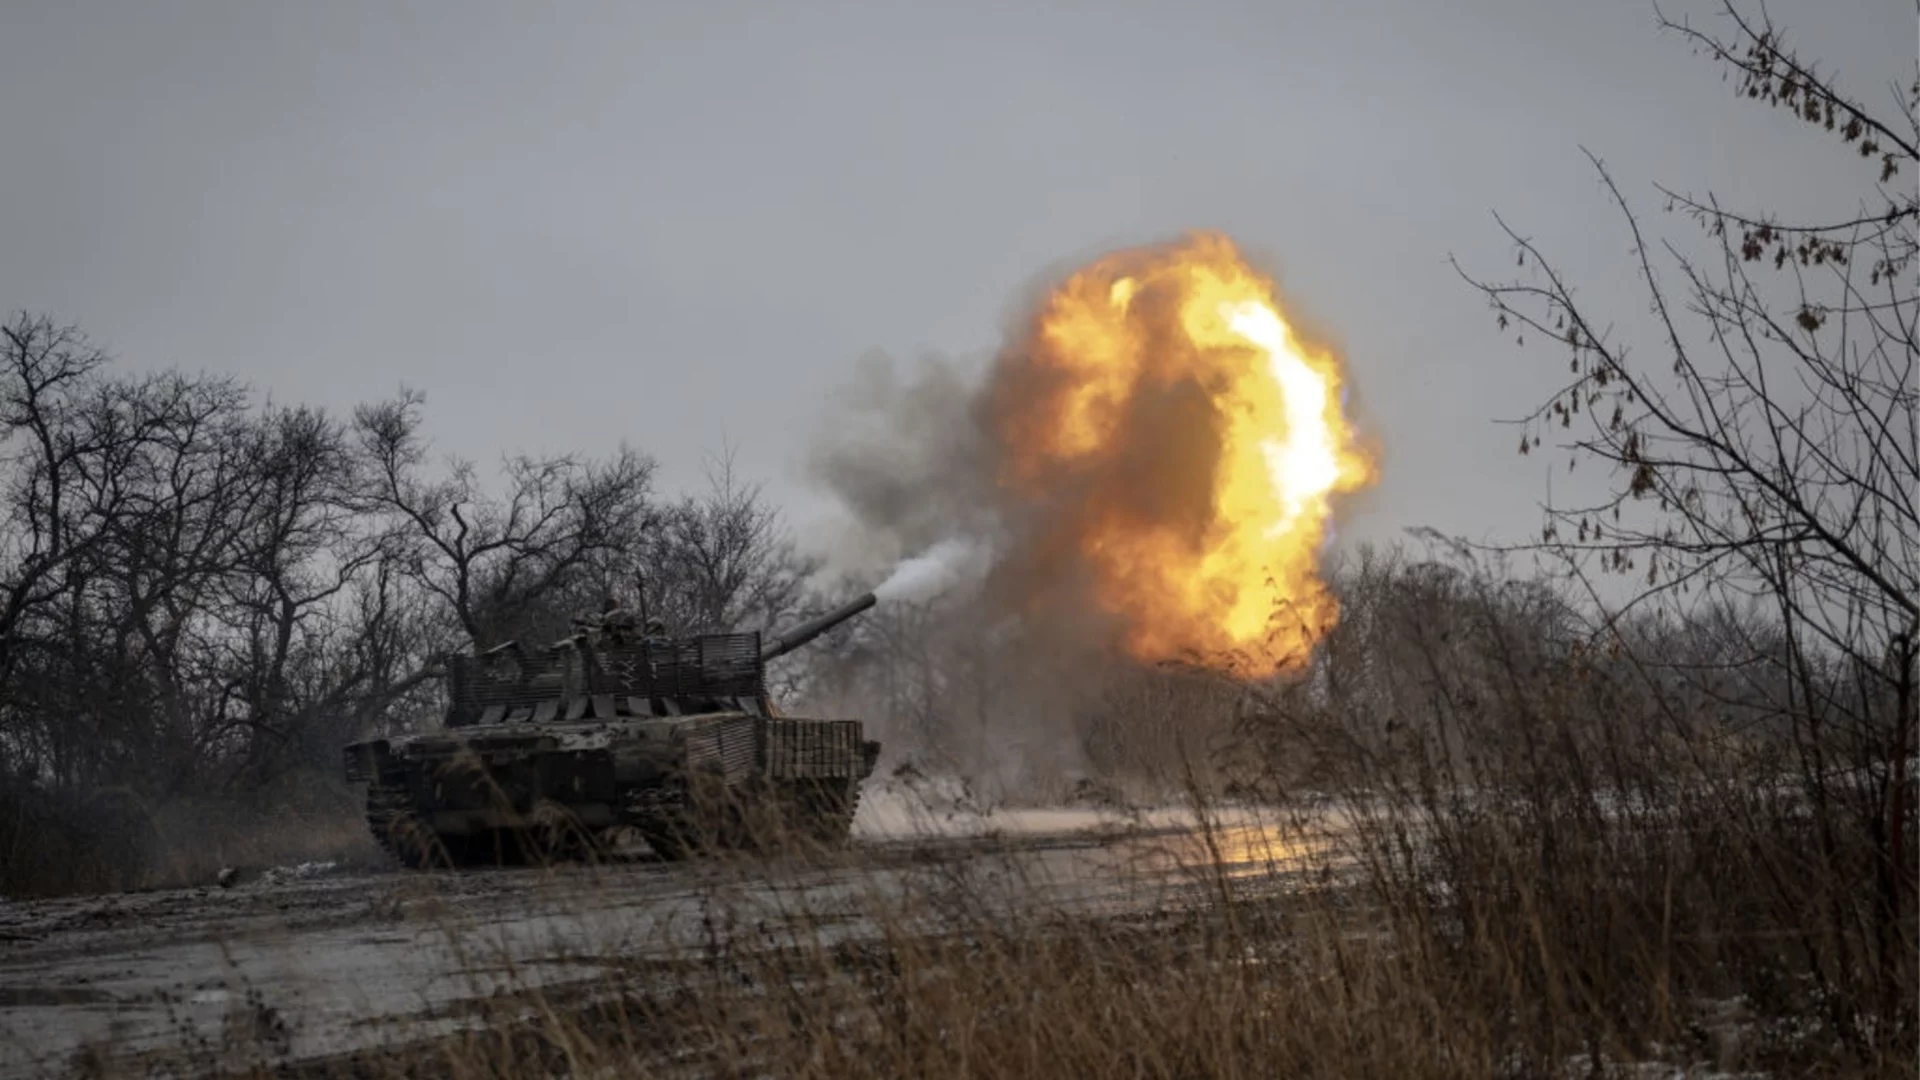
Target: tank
[{"x": 553, "y": 754}]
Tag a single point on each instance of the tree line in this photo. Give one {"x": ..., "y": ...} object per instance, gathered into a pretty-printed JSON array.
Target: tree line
[{"x": 202, "y": 591}]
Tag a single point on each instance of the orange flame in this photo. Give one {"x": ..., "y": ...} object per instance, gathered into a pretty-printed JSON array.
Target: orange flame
[{"x": 1189, "y": 443}]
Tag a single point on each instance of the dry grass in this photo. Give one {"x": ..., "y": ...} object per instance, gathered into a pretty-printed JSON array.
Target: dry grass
[
  {"x": 114, "y": 841},
  {"x": 304, "y": 818},
  {"x": 1457, "y": 938},
  {"x": 1542, "y": 869}
]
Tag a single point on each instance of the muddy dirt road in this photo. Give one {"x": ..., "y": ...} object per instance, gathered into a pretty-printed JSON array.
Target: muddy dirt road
[{"x": 311, "y": 962}]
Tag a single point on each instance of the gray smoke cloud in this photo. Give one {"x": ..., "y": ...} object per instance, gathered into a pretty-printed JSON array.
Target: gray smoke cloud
[
  {"x": 958, "y": 674},
  {"x": 901, "y": 449}
]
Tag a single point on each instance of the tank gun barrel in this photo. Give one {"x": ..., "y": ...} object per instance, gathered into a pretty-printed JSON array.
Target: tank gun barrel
[{"x": 813, "y": 628}]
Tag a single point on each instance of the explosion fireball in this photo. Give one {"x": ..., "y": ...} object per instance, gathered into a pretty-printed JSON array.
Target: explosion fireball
[{"x": 1169, "y": 431}]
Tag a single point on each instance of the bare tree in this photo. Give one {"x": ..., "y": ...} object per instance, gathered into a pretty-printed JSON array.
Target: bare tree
[
  {"x": 492, "y": 559},
  {"x": 55, "y": 447},
  {"x": 723, "y": 560},
  {"x": 1769, "y": 448},
  {"x": 288, "y": 662},
  {"x": 127, "y": 501}
]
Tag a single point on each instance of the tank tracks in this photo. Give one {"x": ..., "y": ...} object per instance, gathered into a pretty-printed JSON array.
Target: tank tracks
[
  {"x": 817, "y": 813},
  {"x": 408, "y": 840},
  {"x": 399, "y": 833}
]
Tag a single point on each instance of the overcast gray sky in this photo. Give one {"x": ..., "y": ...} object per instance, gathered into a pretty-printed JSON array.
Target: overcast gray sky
[{"x": 676, "y": 224}]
